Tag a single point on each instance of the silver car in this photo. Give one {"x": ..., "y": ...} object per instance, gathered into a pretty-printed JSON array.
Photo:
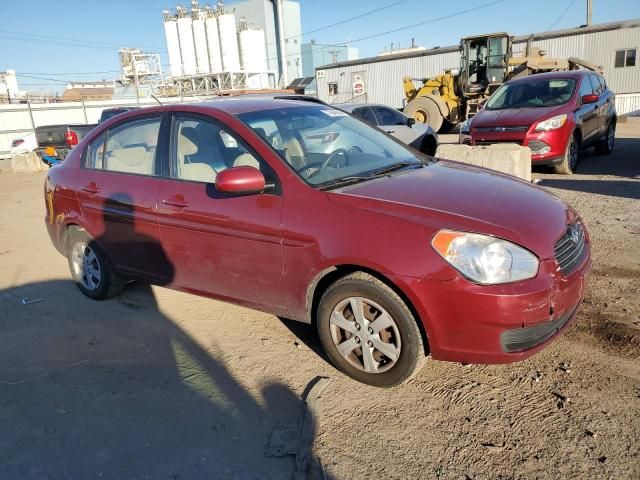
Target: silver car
[{"x": 417, "y": 135}]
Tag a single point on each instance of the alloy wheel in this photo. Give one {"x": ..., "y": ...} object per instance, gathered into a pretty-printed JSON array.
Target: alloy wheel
[
  {"x": 365, "y": 334},
  {"x": 573, "y": 154},
  {"x": 86, "y": 266},
  {"x": 611, "y": 137}
]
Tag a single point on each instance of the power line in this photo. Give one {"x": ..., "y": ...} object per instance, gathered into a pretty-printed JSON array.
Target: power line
[
  {"x": 341, "y": 22},
  {"x": 406, "y": 27},
  {"x": 34, "y": 37},
  {"x": 68, "y": 73},
  {"x": 561, "y": 15}
]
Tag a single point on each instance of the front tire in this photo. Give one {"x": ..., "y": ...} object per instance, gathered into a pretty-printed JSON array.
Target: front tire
[
  {"x": 425, "y": 110},
  {"x": 90, "y": 268},
  {"x": 368, "y": 332},
  {"x": 570, "y": 159}
]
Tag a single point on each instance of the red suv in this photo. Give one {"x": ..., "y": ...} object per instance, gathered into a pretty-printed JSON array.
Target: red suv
[
  {"x": 391, "y": 255},
  {"x": 555, "y": 114}
]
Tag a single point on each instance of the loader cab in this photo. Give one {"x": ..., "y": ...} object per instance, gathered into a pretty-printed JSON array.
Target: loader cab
[{"x": 484, "y": 63}]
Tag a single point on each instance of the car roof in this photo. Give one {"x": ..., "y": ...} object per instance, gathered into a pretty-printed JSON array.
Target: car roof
[
  {"x": 257, "y": 102},
  {"x": 563, "y": 74},
  {"x": 352, "y": 106}
]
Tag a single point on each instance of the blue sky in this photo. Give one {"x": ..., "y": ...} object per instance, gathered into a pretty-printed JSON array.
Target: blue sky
[{"x": 98, "y": 28}]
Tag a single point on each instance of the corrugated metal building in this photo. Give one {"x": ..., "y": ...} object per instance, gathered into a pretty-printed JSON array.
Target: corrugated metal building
[{"x": 599, "y": 44}]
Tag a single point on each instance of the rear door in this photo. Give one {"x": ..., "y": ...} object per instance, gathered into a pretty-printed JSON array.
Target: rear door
[
  {"x": 117, "y": 188},
  {"x": 395, "y": 123},
  {"x": 223, "y": 245}
]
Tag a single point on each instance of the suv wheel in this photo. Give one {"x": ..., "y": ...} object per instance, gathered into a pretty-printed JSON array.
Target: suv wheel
[
  {"x": 605, "y": 146},
  {"x": 368, "y": 332},
  {"x": 571, "y": 156},
  {"x": 90, "y": 268}
]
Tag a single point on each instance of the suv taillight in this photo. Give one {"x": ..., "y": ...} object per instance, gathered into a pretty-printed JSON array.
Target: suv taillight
[{"x": 71, "y": 137}]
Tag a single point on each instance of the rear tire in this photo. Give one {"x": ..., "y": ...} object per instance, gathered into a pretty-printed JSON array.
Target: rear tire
[
  {"x": 368, "y": 332},
  {"x": 571, "y": 156},
  {"x": 605, "y": 146},
  {"x": 425, "y": 110},
  {"x": 90, "y": 268}
]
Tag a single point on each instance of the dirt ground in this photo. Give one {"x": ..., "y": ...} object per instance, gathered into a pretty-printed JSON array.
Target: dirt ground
[{"x": 163, "y": 385}]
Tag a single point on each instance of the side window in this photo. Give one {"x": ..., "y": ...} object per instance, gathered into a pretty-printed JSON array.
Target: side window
[
  {"x": 388, "y": 116},
  {"x": 95, "y": 153},
  {"x": 366, "y": 114},
  {"x": 585, "y": 87},
  {"x": 201, "y": 149},
  {"x": 333, "y": 88},
  {"x": 131, "y": 147},
  {"x": 597, "y": 86}
]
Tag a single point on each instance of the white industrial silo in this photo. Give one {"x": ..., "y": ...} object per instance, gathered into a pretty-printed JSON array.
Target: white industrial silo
[
  {"x": 187, "y": 48},
  {"x": 228, "y": 42},
  {"x": 200, "y": 40},
  {"x": 213, "y": 42},
  {"x": 173, "y": 44},
  {"x": 253, "y": 50}
]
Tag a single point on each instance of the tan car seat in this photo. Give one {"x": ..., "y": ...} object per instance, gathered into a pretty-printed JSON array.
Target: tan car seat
[
  {"x": 200, "y": 172},
  {"x": 131, "y": 160}
]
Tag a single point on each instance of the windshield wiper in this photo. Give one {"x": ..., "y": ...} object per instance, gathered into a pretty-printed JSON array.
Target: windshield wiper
[
  {"x": 343, "y": 181},
  {"x": 394, "y": 167}
]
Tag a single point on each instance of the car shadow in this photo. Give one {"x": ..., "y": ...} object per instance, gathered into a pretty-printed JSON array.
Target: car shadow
[
  {"x": 623, "y": 163},
  {"x": 116, "y": 389}
]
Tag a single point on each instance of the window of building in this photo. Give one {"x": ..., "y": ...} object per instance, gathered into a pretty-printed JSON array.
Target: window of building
[
  {"x": 333, "y": 89},
  {"x": 626, "y": 58}
]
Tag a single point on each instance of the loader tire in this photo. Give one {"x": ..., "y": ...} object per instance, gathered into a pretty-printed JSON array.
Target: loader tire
[{"x": 425, "y": 110}]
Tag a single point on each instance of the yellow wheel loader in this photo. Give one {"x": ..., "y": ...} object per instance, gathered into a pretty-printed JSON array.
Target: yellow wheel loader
[{"x": 486, "y": 62}]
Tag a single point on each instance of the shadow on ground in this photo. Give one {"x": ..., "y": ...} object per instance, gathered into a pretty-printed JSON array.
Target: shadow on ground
[
  {"x": 115, "y": 389},
  {"x": 624, "y": 163}
]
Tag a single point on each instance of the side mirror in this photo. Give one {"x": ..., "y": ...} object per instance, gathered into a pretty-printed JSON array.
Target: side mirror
[
  {"x": 411, "y": 122},
  {"x": 240, "y": 180},
  {"x": 591, "y": 98}
]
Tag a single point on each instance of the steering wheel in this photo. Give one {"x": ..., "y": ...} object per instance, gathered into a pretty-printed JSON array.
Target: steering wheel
[{"x": 335, "y": 156}]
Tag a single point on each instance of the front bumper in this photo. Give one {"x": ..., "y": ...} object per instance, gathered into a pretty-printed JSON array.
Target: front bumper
[
  {"x": 472, "y": 323},
  {"x": 556, "y": 140}
]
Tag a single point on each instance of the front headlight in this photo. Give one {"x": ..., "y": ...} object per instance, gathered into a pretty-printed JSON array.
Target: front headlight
[
  {"x": 552, "y": 123},
  {"x": 484, "y": 259}
]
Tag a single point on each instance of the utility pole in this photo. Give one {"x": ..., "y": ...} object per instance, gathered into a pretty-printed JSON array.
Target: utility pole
[
  {"x": 589, "y": 11},
  {"x": 334, "y": 55}
]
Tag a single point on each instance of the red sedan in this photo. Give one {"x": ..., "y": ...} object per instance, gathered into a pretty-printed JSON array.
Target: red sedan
[
  {"x": 391, "y": 255},
  {"x": 555, "y": 114}
]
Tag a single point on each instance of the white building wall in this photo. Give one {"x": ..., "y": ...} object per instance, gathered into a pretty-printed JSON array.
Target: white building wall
[{"x": 383, "y": 78}]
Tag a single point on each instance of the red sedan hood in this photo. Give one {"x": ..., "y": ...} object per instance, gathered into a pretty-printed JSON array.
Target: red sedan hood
[
  {"x": 458, "y": 196},
  {"x": 513, "y": 117}
]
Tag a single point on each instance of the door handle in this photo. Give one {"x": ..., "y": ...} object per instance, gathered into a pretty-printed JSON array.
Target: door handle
[
  {"x": 91, "y": 188},
  {"x": 391, "y": 131},
  {"x": 176, "y": 202}
]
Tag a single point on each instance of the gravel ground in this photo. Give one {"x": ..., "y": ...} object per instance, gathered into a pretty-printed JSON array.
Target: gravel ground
[{"x": 160, "y": 384}]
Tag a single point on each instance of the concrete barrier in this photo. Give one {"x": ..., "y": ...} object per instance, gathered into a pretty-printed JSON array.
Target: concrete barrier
[
  {"x": 508, "y": 158},
  {"x": 27, "y": 162}
]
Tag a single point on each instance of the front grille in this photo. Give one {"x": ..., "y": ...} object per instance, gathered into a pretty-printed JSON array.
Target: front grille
[
  {"x": 493, "y": 142},
  {"x": 520, "y": 339},
  {"x": 516, "y": 128},
  {"x": 570, "y": 249}
]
